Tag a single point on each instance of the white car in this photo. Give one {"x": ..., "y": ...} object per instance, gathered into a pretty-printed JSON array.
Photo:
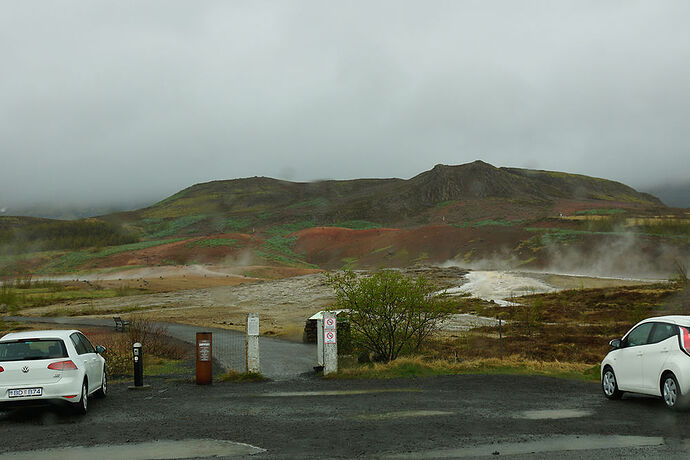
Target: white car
[
  {"x": 46, "y": 367},
  {"x": 653, "y": 358}
]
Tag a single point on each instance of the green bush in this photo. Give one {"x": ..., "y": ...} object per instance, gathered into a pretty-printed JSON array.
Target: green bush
[{"x": 390, "y": 314}]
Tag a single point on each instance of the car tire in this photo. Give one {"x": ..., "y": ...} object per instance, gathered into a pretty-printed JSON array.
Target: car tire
[
  {"x": 102, "y": 392},
  {"x": 609, "y": 384},
  {"x": 82, "y": 406},
  {"x": 670, "y": 392}
]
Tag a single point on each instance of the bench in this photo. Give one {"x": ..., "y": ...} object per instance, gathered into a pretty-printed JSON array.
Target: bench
[{"x": 120, "y": 324}]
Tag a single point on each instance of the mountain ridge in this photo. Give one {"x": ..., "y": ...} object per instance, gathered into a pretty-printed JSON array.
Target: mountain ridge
[{"x": 390, "y": 201}]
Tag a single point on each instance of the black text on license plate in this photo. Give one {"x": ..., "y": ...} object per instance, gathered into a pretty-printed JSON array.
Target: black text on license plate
[{"x": 23, "y": 392}]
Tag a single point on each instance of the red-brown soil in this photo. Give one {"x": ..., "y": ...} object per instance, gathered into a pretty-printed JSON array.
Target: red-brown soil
[
  {"x": 331, "y": 247},
  {"x": 182, "y": 252}
]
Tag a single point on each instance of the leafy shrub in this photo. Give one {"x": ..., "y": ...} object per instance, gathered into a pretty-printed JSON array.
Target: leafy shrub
[{"x": 390, "y": 314}]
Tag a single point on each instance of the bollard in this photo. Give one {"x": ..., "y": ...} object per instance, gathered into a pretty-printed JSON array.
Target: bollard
[
  {"x": 138, "y": 365},
  {"x": 204, "y": 358}
]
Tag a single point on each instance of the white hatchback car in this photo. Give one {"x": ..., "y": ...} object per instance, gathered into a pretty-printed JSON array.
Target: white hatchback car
[
  {"x": 46, "y": 367},
  {"x": 653, "y": 358}
]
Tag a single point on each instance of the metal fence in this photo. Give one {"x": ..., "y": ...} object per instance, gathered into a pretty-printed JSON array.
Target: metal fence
[{"x": 229, "y": 349}]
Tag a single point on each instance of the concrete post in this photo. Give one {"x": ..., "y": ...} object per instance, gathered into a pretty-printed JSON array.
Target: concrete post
[
  {"x": 330, "y": 346},
  {"x": 252, "y": 343},
  {"x": 319, "y": 342}
]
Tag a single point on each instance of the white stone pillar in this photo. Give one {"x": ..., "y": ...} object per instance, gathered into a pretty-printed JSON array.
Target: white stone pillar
[
  {"x": 252, "y": 343},
  {"x": 319, "y": 342},
  {"x": 330, "y": 345}
]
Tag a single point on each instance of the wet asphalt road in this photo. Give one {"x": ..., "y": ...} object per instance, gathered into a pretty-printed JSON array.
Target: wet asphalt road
[
  {"x": 280, "y": 359},
  {"x": 441, "y": 417}
]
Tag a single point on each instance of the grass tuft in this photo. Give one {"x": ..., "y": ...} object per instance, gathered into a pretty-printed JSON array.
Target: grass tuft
[{"x": 240, "y": 377}]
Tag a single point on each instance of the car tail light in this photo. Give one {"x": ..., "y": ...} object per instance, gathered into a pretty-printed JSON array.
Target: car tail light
[
  {"x": 684, "y": 339},
  {"x": 1, "y": 369},
  {"x": 70, "y": 396},
  {"x": 63, "y": 366}
]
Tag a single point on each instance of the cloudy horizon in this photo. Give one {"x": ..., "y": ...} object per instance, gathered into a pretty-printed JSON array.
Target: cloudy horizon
[{"x": 129, "y": 102}]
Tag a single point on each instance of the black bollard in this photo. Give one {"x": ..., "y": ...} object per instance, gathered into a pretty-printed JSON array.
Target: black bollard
[{"x": 138, "y": 365}]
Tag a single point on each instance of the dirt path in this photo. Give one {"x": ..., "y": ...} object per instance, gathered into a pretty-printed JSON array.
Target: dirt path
[{"x": 280, "y": 359}]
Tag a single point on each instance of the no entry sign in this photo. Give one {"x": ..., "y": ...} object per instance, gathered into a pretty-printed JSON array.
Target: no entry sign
[{"x": 329, "y": 337}]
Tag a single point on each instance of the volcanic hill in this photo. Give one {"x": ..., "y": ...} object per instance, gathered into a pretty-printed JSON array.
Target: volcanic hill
[{"x": 467, "y": 213}]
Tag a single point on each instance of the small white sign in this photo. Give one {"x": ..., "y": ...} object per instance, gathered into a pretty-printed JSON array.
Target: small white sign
[
  {"x": 329, "y": 337},
  {"x": 329, "y": 324},
  {"x": 252, "y": 324},
  {"x": 204, "y": 350}
]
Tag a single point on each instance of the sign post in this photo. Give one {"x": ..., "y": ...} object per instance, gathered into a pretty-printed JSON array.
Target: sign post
[
  {"x": 330, "y": 343},
  {"x": 204, "y": 358},
  {"x": 252, "y": 343}
]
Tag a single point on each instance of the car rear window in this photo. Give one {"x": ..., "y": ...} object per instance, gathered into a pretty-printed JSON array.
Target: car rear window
[{"x": 30, "y": 349}]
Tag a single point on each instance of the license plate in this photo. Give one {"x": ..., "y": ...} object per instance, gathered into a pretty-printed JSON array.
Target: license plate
[{"x": 25, "y": 392}]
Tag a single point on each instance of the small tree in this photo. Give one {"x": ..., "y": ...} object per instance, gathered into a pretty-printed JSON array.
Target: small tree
[{"x": 390, "y": 313}]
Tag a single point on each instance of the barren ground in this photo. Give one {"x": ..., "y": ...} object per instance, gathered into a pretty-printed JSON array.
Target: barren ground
[{"x": 222, "y": 296}]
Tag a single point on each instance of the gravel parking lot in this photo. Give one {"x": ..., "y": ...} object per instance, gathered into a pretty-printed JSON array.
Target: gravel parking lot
[{"x": 452, "y": 416}]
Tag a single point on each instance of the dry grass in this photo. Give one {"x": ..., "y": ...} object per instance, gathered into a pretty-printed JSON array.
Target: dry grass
[
  {"x": 420, "y": 367},
  {"x": 158, "y": 348},
  {"x": 567, "y": 326}
]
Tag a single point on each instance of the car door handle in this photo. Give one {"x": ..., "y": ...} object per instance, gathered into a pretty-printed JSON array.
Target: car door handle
[
  {"x": 640, "y": 354},
  {"x": 665, "y": 350}
]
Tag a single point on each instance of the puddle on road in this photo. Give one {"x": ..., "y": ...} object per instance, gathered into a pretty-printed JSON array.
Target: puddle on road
[
  {"x": 190, "y": 448},
  {"x": 403, "y": 414},
  {"x": 287, "y": 394},
  {"x": 552, "y": 444},
  {"x": 553, "y": 414}
]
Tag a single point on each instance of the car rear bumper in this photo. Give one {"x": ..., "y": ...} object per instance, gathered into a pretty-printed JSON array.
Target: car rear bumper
[
  {"x": 52, "y": 393},
  {"x": 36, "y": 402}
]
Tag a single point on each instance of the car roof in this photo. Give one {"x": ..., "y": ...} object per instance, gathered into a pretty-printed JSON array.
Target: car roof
[
  {"x": 680, "y": 320},
  {"x": 52, "y": 334}
]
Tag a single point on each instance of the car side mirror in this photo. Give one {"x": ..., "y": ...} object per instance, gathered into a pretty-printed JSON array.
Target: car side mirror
[
  {"x": 100, "y": 349},
  {"x": 615, "y": 343}
]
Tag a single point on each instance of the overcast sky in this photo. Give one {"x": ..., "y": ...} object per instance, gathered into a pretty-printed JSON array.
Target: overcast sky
[{"x": 113, "y": 101}]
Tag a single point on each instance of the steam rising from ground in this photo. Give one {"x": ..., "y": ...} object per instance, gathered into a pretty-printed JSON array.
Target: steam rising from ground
[
  {"x": 619, "y": 255},
  {"x": 627, "y": 254},
  {"x": 500, "y": 285}
]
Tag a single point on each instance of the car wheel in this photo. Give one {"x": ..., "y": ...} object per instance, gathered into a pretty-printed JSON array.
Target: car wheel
[
  {"x": 670, "y": 391},
  {"x": 103, "y": 391},
  {"x": 83, "y": 405},
  {"x": 610, "y": 385}
]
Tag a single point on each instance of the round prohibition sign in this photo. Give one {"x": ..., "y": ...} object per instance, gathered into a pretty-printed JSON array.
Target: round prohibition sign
[
  {"x": 330, "y": 335},
  {"x": 330, "y": 322}
]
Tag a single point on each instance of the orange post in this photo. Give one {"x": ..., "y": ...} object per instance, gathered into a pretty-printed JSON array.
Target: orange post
[{"x": 204, "y": 358}]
